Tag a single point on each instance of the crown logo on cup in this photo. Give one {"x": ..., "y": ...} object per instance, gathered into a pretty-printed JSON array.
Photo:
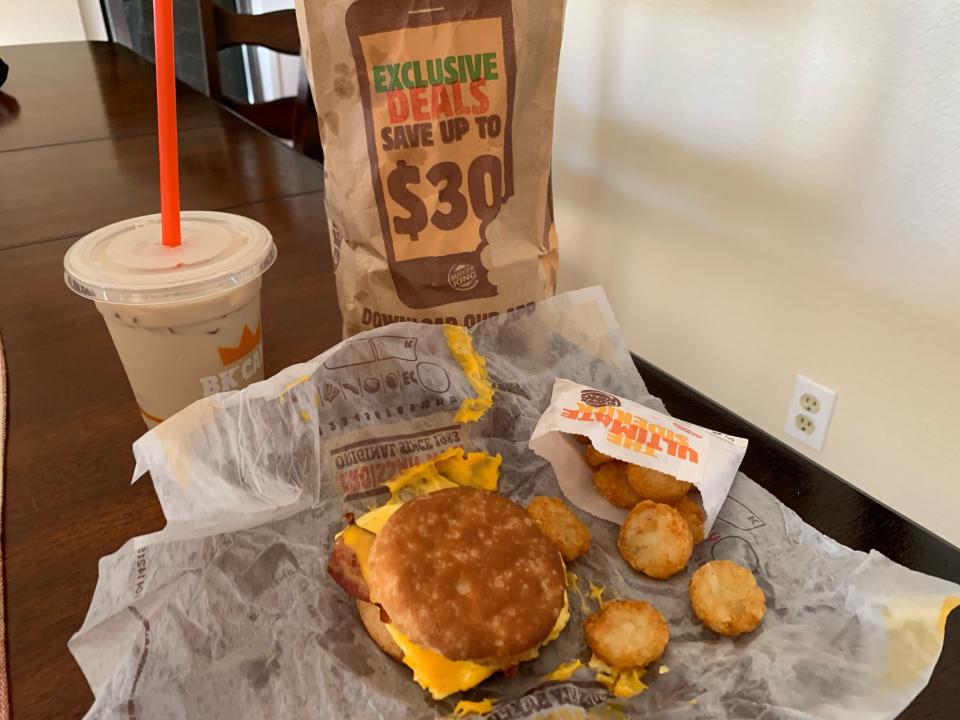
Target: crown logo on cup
[{"x": 248, "y": 341}]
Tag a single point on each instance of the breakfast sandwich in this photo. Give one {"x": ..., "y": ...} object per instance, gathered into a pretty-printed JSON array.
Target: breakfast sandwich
[{"x": 451, "y": 578}]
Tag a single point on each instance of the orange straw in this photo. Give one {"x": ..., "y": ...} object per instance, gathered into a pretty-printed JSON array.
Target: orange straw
[{"x": 167, "y": 121}]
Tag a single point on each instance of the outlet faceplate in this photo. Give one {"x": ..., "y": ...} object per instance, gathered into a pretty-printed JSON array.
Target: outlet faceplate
[{"x": 811, "y": 407}]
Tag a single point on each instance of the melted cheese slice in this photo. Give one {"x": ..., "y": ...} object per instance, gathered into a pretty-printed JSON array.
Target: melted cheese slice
[
  {"x": 476, "y": 469},
  {"x": 426, "y": 477},
  {"x": 360, "y": 541},
  {"x": 565, "y": 671},
  {"x": 434, "y": 672},
  {"x": 629, "y": 684},
  {"x": 573, "y": 584},
  {"x": 451, "y": 468},
  {"x": 622, "y": 683},
  {"x": 562, "y": 619},
  {"x": 596, "y": 593},
  {"x": 475, "y": 368},
  {"x": 374, "y": 520},
  {"x": 465, "y": 707}
]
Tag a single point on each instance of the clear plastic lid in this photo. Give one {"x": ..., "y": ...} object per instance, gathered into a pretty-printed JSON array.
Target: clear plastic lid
[{"x": 127, "y": 262}]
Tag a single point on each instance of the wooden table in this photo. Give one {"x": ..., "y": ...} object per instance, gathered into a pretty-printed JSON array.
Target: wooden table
[{"x": 79, "y": 155}]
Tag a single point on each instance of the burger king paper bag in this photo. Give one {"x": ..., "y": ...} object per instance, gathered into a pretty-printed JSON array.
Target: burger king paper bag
[
  {"x": 437, "y": 122},
  {"x": 638, "y": 435}
]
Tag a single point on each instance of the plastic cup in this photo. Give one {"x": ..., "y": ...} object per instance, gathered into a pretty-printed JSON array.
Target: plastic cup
[{"x": 185, "y": 320}]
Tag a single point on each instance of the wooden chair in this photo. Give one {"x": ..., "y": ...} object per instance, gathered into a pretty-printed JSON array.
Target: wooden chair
[
  {"x": 115, "y": 18},
  {"x": 290, "y": 118}
]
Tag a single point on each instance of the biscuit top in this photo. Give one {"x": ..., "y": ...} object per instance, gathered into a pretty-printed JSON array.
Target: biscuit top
[{"x": 468, "y": 574}]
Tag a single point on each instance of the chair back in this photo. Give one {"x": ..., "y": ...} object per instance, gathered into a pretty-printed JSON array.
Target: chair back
[{"x": 291, "y": 118}]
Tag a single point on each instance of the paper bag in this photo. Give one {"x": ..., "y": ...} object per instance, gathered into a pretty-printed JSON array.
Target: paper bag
[{"x": 436, "y": 122}]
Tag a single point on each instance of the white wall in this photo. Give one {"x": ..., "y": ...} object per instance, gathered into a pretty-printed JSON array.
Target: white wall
[
  {"x": 37, "y": 21},
  {"x": 94, "y": 25},
  {"x": 770, "y": 188}
]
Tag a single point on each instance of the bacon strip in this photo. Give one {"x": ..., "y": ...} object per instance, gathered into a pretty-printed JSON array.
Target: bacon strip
[{"x": 344, "y": 568}]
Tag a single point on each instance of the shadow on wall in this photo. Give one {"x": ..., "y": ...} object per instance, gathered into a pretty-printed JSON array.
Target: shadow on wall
[{"x": 728, "y": 121}]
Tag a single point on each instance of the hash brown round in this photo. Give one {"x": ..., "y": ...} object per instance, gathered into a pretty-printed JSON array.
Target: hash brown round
[
  {"x": 594, "y": 457},
  {"x": 655, "y": 540},
  {"x": 693, "y": 515},
  {"x": 726, "y": 598},
  {"x": 610, "y": 479},
  {"x": 654, "y": 485},
  {"x": 627, "y": 633},
  {"x": 558, "y": 522}
]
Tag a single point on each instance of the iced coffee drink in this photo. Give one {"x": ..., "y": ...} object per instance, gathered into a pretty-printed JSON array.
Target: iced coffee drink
[{"x": 185, "y": 320}]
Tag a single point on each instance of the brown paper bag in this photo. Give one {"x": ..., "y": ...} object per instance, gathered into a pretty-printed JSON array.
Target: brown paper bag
[{"x": 436, "y": 118}]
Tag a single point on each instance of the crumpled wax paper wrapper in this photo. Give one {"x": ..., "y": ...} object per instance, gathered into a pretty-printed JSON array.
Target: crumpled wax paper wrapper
[
  {"x": 635, "y": 434},
  {"x": 229, "y": 612}
]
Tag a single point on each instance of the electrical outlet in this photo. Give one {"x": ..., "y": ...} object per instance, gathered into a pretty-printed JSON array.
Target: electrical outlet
[
  {"x": 810, "y": 403},
  {"x": 805, "y": 424},
  {"x": 811, "y": 407}
]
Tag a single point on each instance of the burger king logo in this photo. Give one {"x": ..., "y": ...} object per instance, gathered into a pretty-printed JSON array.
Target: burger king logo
[
  {"x": 462, "y": 276},
  {"x": 598, "y": 398}
]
